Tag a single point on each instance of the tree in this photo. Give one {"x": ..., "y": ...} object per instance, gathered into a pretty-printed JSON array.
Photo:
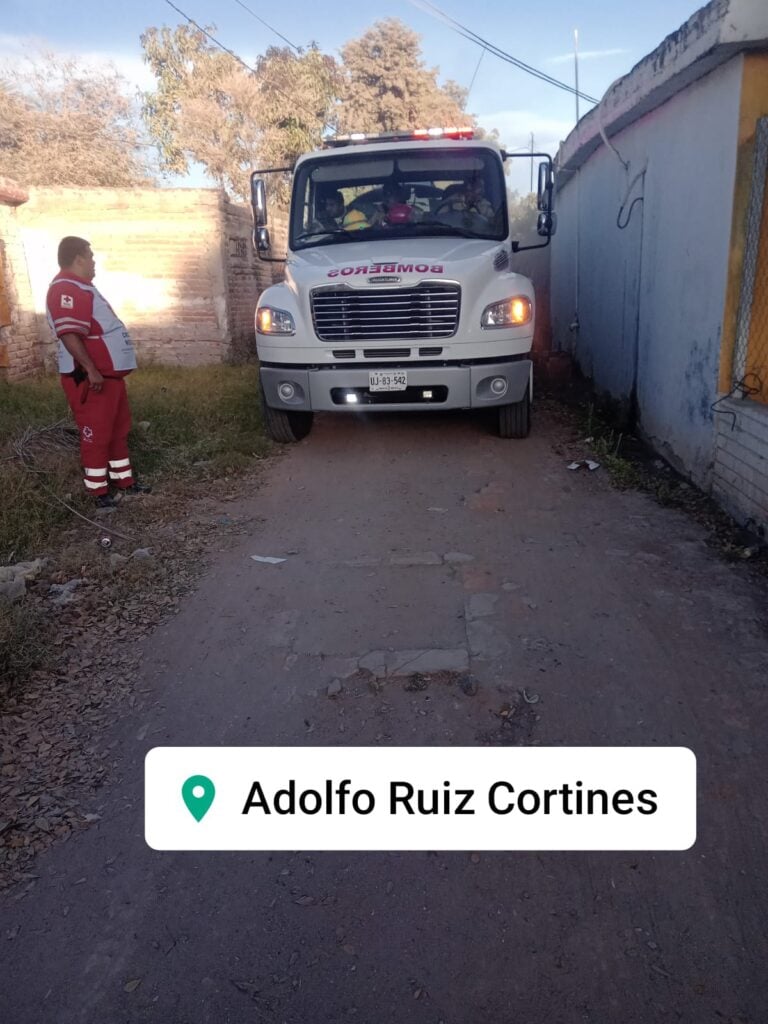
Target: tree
[
  {"x": 209, "y": 108},
  {"x": 65, "y": 124},
  {"x": 523, "y": 214},
  {"x": 386, "y": 85}
]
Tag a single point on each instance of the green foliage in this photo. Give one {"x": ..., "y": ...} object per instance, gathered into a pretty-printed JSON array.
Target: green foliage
[
  {"x": 523, "y": 214},
  {"x": 202, "y": 420},
  {"x": 209, "y": 108}
]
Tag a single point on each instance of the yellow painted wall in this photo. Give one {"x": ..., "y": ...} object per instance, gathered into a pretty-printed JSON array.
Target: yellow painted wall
[{"x": 754, "y": 104}]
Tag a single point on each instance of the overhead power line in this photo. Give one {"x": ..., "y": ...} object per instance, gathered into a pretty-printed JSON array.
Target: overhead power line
[
  {"x": 479, "y": 62},
  {"x": 266, "y": 24},
  {"x": 213, "y": 39},
  {"x": 473, "y": 37},
  {"x": 243, "y": 64}
]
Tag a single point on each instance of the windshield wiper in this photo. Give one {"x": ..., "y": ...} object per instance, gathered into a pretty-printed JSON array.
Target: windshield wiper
[
  {"x": 330, "y": 237},
  {"x": 451, "y": 229},
  {"x": 321, "y": 231}
]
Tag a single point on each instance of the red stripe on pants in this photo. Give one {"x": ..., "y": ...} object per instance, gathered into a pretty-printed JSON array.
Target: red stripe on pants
[{"x": 104, "y": 420}]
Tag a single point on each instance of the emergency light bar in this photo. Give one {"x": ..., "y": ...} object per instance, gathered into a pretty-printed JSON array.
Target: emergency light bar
[{"x": 401, "y": 136}]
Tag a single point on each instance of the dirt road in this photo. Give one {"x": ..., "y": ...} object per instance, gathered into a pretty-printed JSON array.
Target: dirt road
[{"x": 426, "y": 545}]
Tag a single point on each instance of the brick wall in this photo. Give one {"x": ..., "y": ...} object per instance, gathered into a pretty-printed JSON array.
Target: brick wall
[
  {"x": 247, "y": 275},
  {"x": 20, "y": 351},
  {"x": 740, "y": 478},
  {"x": 158, "y": 262}
]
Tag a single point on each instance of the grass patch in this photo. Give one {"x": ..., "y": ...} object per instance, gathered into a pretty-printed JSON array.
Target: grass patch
[
  {"x": 28, "y": 515},
  {"x": 632, "y": 464},
  {"x": 30, "y": 403},
  {"x": 624, "y": 473},
  {"x": 196, "y": 422},
  {"x": 25, "y": 634},
  {"x": 199, "y": 420},
  {"x": 190, "y": 425}
]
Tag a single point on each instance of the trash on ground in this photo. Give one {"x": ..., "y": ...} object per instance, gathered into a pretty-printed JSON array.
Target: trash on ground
[
  {"x": 468, "y": 685},
  {"x": 269, "y": 559},
  {"x": 530, "y": 698},
  {"x": 589, "y": 464},
  {"x": 22, "y": 570},
  {"x": 751, "y": 551},
  {"x": 592, "y": 465},
  {"x": 416, "y": 682},
  {"x": 13, "y": 578},
  {"x": 64, "y": 593}
]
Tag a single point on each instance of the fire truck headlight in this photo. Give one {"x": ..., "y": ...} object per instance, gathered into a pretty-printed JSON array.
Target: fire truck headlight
[
  {"x": 274, "y": 321},
  {"x": 512, "y": 312}
]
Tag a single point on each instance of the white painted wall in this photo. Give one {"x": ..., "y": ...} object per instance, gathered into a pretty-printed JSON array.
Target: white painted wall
[
  {"x": 740, "y": 478},
  {"x": 655, "y": 322}
]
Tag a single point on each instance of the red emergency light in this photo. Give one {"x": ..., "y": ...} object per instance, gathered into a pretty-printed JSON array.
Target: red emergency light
[{"x": 401, "y": 136}]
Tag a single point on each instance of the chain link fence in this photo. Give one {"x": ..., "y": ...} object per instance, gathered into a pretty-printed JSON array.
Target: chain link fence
[{"x": 750, "y": 363}]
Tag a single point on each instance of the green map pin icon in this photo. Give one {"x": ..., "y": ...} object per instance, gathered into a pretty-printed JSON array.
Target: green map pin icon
[{"x": 198, "y": 793}]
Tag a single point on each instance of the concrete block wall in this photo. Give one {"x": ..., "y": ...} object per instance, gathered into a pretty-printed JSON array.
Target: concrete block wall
[
  {"x": 20, "y": 351},
  {"x": 740, "y": 477}
]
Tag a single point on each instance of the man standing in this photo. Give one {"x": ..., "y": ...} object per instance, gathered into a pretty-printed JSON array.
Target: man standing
[{"x": 95, "y": 355}]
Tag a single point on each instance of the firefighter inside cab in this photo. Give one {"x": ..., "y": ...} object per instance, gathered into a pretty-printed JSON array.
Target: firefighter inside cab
[{"x": 330, "y": 212}]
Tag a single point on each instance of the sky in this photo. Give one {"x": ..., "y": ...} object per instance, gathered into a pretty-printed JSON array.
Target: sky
[{"x": 612, "y": 39}]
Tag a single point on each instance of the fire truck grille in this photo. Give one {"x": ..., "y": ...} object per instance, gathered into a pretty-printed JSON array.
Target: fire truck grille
[{"x": 346, "y": 314}]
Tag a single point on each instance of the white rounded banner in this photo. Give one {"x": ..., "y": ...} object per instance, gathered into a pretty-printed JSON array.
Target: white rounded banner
[{"x": 420, "y": 798}]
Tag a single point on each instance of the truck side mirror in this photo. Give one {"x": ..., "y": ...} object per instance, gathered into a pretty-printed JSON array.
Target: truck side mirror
[
  {"x": 544, "y": 197},
  {"x": 546, "y": 224},
  {"x": 259, "y": 201},
  {"x": 262, "y": 239}
]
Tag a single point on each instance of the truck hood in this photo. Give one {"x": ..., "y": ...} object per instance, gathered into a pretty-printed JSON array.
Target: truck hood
[{"x": 400, "y": 263}]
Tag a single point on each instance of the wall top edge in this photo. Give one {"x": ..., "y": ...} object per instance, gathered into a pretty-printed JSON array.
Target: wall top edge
[{"x": 713, "y": 35}]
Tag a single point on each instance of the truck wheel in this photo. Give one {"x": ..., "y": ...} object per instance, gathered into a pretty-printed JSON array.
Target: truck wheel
[
  {"x": 515, "y": 420},
  {"x": 286, "y": 427}
]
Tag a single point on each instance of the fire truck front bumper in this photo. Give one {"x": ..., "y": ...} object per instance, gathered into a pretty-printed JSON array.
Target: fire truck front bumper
[{"x": 404, "y": 388}]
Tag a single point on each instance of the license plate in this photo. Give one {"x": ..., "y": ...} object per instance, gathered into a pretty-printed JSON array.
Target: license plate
[{"x": 396, "y": 380}]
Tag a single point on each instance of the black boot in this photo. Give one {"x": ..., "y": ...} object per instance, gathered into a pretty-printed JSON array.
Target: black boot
[
  {"x": 136, "y": 488},
  {"x": 105, "y": 501}
]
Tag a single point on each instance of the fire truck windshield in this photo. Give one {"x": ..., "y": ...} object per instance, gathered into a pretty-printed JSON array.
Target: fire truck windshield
[{"x": 399, "y": 194}]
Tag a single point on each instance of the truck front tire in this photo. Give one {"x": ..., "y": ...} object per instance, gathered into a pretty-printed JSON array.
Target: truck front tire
[
  {"x": 515, "y": 420},
  {"x": 283, "y": 426}
]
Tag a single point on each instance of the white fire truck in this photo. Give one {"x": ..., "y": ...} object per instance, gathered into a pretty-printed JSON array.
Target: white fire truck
[{"x": 400, "y": 292}]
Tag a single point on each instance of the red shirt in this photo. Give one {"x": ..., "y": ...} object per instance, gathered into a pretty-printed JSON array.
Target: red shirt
[{"x": 75, "y": 306}]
